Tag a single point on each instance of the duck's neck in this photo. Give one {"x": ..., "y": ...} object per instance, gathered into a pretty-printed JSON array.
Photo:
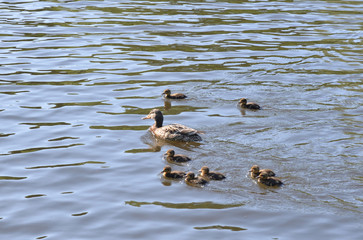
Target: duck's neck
[{"x": 159, "y": 121}]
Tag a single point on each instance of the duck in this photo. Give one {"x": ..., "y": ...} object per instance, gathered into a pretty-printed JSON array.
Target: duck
[
  {"x": 250, "y": 105},
  {"x": 263, "y": 178},
  {"x": 167, "y": 94},
  {"x": 173, "y": 132},
  {"x": 255, "y": 171},
  {"x": 168, "y": 173},
  {"x": 179, "y": 158},
  {"x": 192, "y": 180},
  {"x": 211, "y": 175}
]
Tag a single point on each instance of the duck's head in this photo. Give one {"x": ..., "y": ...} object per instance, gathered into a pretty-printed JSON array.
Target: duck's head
[
  {"x": 157, "y": 115},
  {"x": 190, "y": 176},
  {"x": 204, "y": 170},
  {"x": 243, "y": 101},
  {"x": 167, "y": 92},
  {"x": 170, "y": 153},
  {"x": 167, "y": 169},
  {"x": 263, "y": 175},
  {"x": 154, "y": 114},
  {"x": 255, "y": 169}
]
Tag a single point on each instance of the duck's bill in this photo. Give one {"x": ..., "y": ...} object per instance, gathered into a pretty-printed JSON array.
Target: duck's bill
[{"x": 147, "y": 117}]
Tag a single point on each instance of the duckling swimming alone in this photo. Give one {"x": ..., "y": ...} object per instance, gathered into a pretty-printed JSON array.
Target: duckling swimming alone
[
  {"x": 195, "y": 181},
  {"x": 269, "y": 181},
  {"x": 174, "y": 132},
  {"x": 167, "y": 94},
  {"x": 250, "y": 105},
  {"x": 179, "y": 158},
  {"x": 211, "y": 175},
  {"x": 167, "y": 173},
  {"x": 255, "y": 171}
]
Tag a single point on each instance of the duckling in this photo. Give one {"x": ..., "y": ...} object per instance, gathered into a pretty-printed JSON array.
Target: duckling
[
  {"x": 269, "y": 181},
  {"x": 211, "y": 175},
  {"x": 174, "y": 132},
  {"x": 167, "y": 173},
  {"x": 250, "y": 105},
  {"x": 255, "y": 171},
  {"x": 195, "y": 181},
  {"x": 172, "y": 157},
  {"x": 167, "y": 94}
]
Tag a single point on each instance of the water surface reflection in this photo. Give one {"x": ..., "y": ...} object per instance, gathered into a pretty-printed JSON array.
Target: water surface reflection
[{"x": 77, "y": 76}]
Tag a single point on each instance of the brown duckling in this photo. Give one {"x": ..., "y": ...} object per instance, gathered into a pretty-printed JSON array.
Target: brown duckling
[
  {"x": 211, "y": 175},
  {"x": 195, "y": 181},
  {"x": 167, "y": 94},
  {"x": 255, "y": 171},
  {"x": 168, "y": 173},
  {"x": 250, "y": 105},
  {"x": 172, "y": 157},
  {"x": 174, "y": 132},
  {"x": 269, "y": 181}
]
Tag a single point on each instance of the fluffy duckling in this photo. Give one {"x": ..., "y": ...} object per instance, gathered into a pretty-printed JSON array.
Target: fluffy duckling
[
  {"x": 167, "y": 94},
  {"x": 172, "y": 157},
  {"x": 168, "y": 173},
  {"x": 211, "y": 175},
  {"x": 195, "y": 181},
  {"x": 174, "y": 132},
  {"x": 255, "y": 171},
  {"x": 250, "y": 105},
  {"x": 269, "y": 181}
]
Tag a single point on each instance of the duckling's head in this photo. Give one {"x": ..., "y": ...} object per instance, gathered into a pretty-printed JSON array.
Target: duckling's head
[
  {"x": 204, "y": 170},
  {"x": 243, "y": 101},
  {"x": 255, "y": 169},
  {"x": 167, "y": 92},
  {"x": 263, "y": 175},
  {"x": 190, "y": 176},
  {"x": 170, "y": 153},
  {"x": 167, "y": 169}
]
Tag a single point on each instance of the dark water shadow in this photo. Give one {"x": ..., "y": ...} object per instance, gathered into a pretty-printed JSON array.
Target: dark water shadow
[
  {"x": 167, "y": 104},
  {"x": 170, "y": 181},
  {"x": 6, "y": 134},
  {"x": 66, "y": 165},
  {"x": 244, "y": 111},
  {"x": 35, "y": 195},
  {"x": 29, "y": 150},
  {"x": 11, "y": 178},
  {"x": 219, "y": 227},
  {"x": 155, "y": 144},
  {"x": 191, "y": 205}
]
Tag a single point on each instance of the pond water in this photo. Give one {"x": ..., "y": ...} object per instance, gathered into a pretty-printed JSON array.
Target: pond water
[{"x": 77, "y": 161}]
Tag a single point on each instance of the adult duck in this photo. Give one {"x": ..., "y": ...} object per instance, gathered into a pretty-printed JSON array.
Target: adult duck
[
  {"x": 250, "y": 105},
  {"x": 168, "y": 173},
  {"x": 255, "y": 171},
  {"x": 192, "y": 180},
  {"x": 174, "y": 132},
  {"x": 263, "y": 178},
  {"x": 210, "y": 175},
  {"x": 167, "y": 94}
]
